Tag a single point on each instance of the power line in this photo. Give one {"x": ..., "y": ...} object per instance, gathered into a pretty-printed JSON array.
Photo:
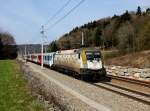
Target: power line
[
  {"x": 59, "y": 20},
  {"x": 60, "y": 10},
  {"x": 145, "y": 7}
]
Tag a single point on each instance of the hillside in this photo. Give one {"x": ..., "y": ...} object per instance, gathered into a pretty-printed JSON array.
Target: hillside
[
  {"x": 127, "y": 32},
  {"x": 31, "y": 48}
]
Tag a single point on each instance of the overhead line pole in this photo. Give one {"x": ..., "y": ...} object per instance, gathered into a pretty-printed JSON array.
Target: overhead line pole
[
  {"x": 82, "y": 39},
  {"x": 25, "y": 53},
  {"x": 42, "y": 43},
  {"x": 25, "y": 50}
]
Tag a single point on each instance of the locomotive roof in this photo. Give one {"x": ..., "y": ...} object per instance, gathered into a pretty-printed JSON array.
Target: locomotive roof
[{"x": 75, "y": 51}]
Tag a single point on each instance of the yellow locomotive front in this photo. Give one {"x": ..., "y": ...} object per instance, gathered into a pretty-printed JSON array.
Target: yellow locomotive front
[{"x": 92, "y": 64}]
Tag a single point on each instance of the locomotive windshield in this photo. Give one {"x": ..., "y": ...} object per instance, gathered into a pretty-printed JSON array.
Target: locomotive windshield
[
  {"x": 89, "y": 56},
  {"x": 93, "y": 55},
  {"x": 97, "y": 55}
]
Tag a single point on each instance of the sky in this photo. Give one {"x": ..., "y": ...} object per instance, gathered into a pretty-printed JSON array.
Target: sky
[{"x": 24, "y": 18}]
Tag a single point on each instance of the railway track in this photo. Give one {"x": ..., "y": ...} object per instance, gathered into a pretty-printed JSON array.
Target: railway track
[
  {"x": 135, "y": 89},
  {"x": 127, "y": 87},
  {"x": 130, "y": 80},
  {"x": 131, "y": 90}
]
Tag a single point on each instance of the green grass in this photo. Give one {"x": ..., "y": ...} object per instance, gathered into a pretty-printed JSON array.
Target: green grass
[{"x": 14, "y": 94}]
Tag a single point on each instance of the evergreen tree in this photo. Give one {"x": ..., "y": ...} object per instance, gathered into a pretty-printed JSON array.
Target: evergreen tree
[
  {"x": 125, "y": 17},
  {"x": 53, "y": 46},
  {"x": 115, "y": 16},
  {"x": 139, "y": 12},
  {"x": 97, "y": 37},
  {"x": 147, "y": 10},
  {"x": 143, "y": 38}
]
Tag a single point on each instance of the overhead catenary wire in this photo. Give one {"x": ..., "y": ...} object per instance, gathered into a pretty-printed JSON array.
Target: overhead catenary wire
[
  {"x": 63, "y": 17},
  {"x": 145, "y": 7},
  {"x": 58, "y": 12}
]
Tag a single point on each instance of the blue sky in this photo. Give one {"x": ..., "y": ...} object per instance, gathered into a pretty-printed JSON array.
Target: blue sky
[{"x": 23, "y": 18}]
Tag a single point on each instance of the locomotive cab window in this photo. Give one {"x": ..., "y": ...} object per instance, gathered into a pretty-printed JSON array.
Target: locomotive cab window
[
  {"x": 93, "y": 56},
  {"x": 97, "y": 56},
  {"x": 89, "y": 56}
]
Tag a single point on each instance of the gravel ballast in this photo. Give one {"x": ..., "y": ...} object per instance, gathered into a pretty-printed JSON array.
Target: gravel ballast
[{"x": 68, "y": 101}]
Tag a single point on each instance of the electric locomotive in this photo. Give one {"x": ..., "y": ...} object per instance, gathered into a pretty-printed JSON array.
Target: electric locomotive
[{"x": 87, "y": 64}]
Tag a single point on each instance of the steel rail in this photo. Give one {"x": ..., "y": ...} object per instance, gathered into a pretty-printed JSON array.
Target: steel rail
[
  {"x": 122, "y": 93},
  {"x": 134, "y": 81}
]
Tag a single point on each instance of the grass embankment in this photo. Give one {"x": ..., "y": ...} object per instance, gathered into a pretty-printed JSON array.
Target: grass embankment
[
  {"x": 137, "y": 59},
  {"x": 108, "y": 54},
  {"x": 14, "y": 94}
]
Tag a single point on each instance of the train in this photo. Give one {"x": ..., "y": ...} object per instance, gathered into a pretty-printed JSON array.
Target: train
[{"x": 83, "y": 63}]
